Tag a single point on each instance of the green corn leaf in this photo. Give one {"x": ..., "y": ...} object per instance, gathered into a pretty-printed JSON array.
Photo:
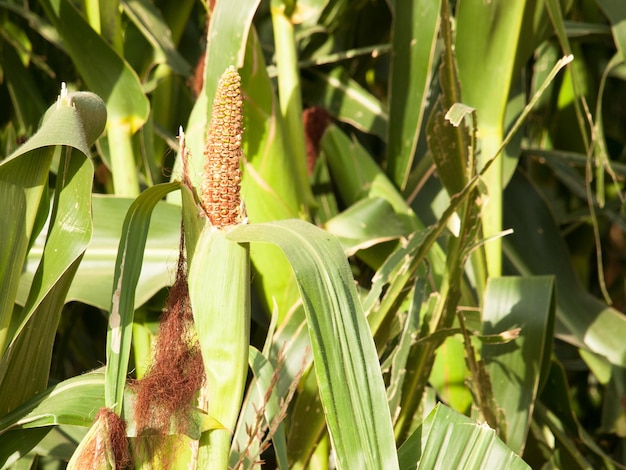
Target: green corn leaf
[
  {"x": 74, "y": 123},
  {"x": 536, "y": 248},
  {"x": 112, "y": 78},
  {"x": 290, "y": 94},
  {"x": 366, "y": 223},
  {"x": 448, "y": 439},
  {"x": 266, "y": 189},
  {"x": 449, "y": 375},
  {"x": 219, "y": 291},
  {"x": 361, "y": 176},
  {"x": 264, "y": 373},
  {"x": 516, "y": 368},
  {"x": 346, "y": 362},
  {"x": 75, "y": 401},
  {"x": 108, "y": 76},
  {"x": 93, "y": 278},
  {"x": 127, "y": 270},
  {"x": 415, "y": 30},
  {"x": 67, "y": 239},
  {"x": 555, "y": 411},
  {"x": 17, "y": 443},
  {"x": 487, "y": 45},
  {"x": 347, "y": 100},
  {"x": 149, "y": 21}
]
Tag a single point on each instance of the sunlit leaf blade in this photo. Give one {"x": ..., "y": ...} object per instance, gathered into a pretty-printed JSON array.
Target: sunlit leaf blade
[
  {"x": 516, "y": 368},
  {"x": 109, "y": 76},
  {"x": 399, "y": 362},
  {"x": 448, "y": 439},
  {"x": 290, "y": 93},
  {"x": 221, "y": 267},
  {"x": 449, "y": 375},
  {"x": 127, "y": 270},
  {"x": 415, "y": 28},
  {"x": 486, "y": 47},
  {"x": 75, "y": 401},
  {"x": 67, "y": 239},
  {"x": 366, "y": 223},
  {"x": 360, "y": 176},
  {"x": 68, "y": 236},
  {"x": 267, "y": 193},
  {"x": 347, "y": 368},
  {"x": 268, "y": 188},
  {"x": 92, "y": 284},
  {"x": 536, "y": 247},
  {"x": 23, "y": 179}
]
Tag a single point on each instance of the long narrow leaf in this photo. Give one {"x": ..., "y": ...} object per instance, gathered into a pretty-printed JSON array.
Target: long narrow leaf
[
  {"x": 346, "y": 362},
  {"x": 416, "y": 24},
  {"x": 74, "y": 401},
  {"x": 536, "y": 247},
  {"x": 109, "y": 75},
  {"x": 23, "y": 178},
  {"x": 127, "y": 270}
]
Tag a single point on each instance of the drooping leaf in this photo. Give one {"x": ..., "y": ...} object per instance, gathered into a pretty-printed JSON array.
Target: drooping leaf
[
  {"x": 74, "y": 123},
  {"x": 536, "y": 248},
  {"x": 92, "y": 284},
  {"x": 346, "y": 362},
  {"x": 109, "y": 76}
]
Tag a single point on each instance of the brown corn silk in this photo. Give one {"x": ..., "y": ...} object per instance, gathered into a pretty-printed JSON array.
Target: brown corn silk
[
  {"x": 315, "y": 120},
  {"x": 108, "y": 446},
  {"x": 167, "y": 394}
]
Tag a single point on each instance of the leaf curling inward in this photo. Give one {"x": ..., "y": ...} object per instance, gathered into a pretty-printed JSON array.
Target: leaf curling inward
[{"x": 90, "y": 107}]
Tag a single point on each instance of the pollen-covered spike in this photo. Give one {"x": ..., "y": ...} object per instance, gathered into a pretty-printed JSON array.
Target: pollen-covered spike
[{"x": 221, "y": 179}]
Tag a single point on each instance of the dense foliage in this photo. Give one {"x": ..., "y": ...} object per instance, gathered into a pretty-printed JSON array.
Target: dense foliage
[{"x": 431, "y": 235}]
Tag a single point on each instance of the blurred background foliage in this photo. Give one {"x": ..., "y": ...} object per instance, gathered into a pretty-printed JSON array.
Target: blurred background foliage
[{"x": 346, "y": 126}]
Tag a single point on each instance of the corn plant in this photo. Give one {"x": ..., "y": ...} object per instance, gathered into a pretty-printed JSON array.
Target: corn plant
[{"x": 361, "y": 234}]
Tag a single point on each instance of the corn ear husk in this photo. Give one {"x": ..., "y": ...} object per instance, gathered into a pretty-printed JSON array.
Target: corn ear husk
[
  {"x": 219, "y": 288},
  {"x": 98, "y": 449}
]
